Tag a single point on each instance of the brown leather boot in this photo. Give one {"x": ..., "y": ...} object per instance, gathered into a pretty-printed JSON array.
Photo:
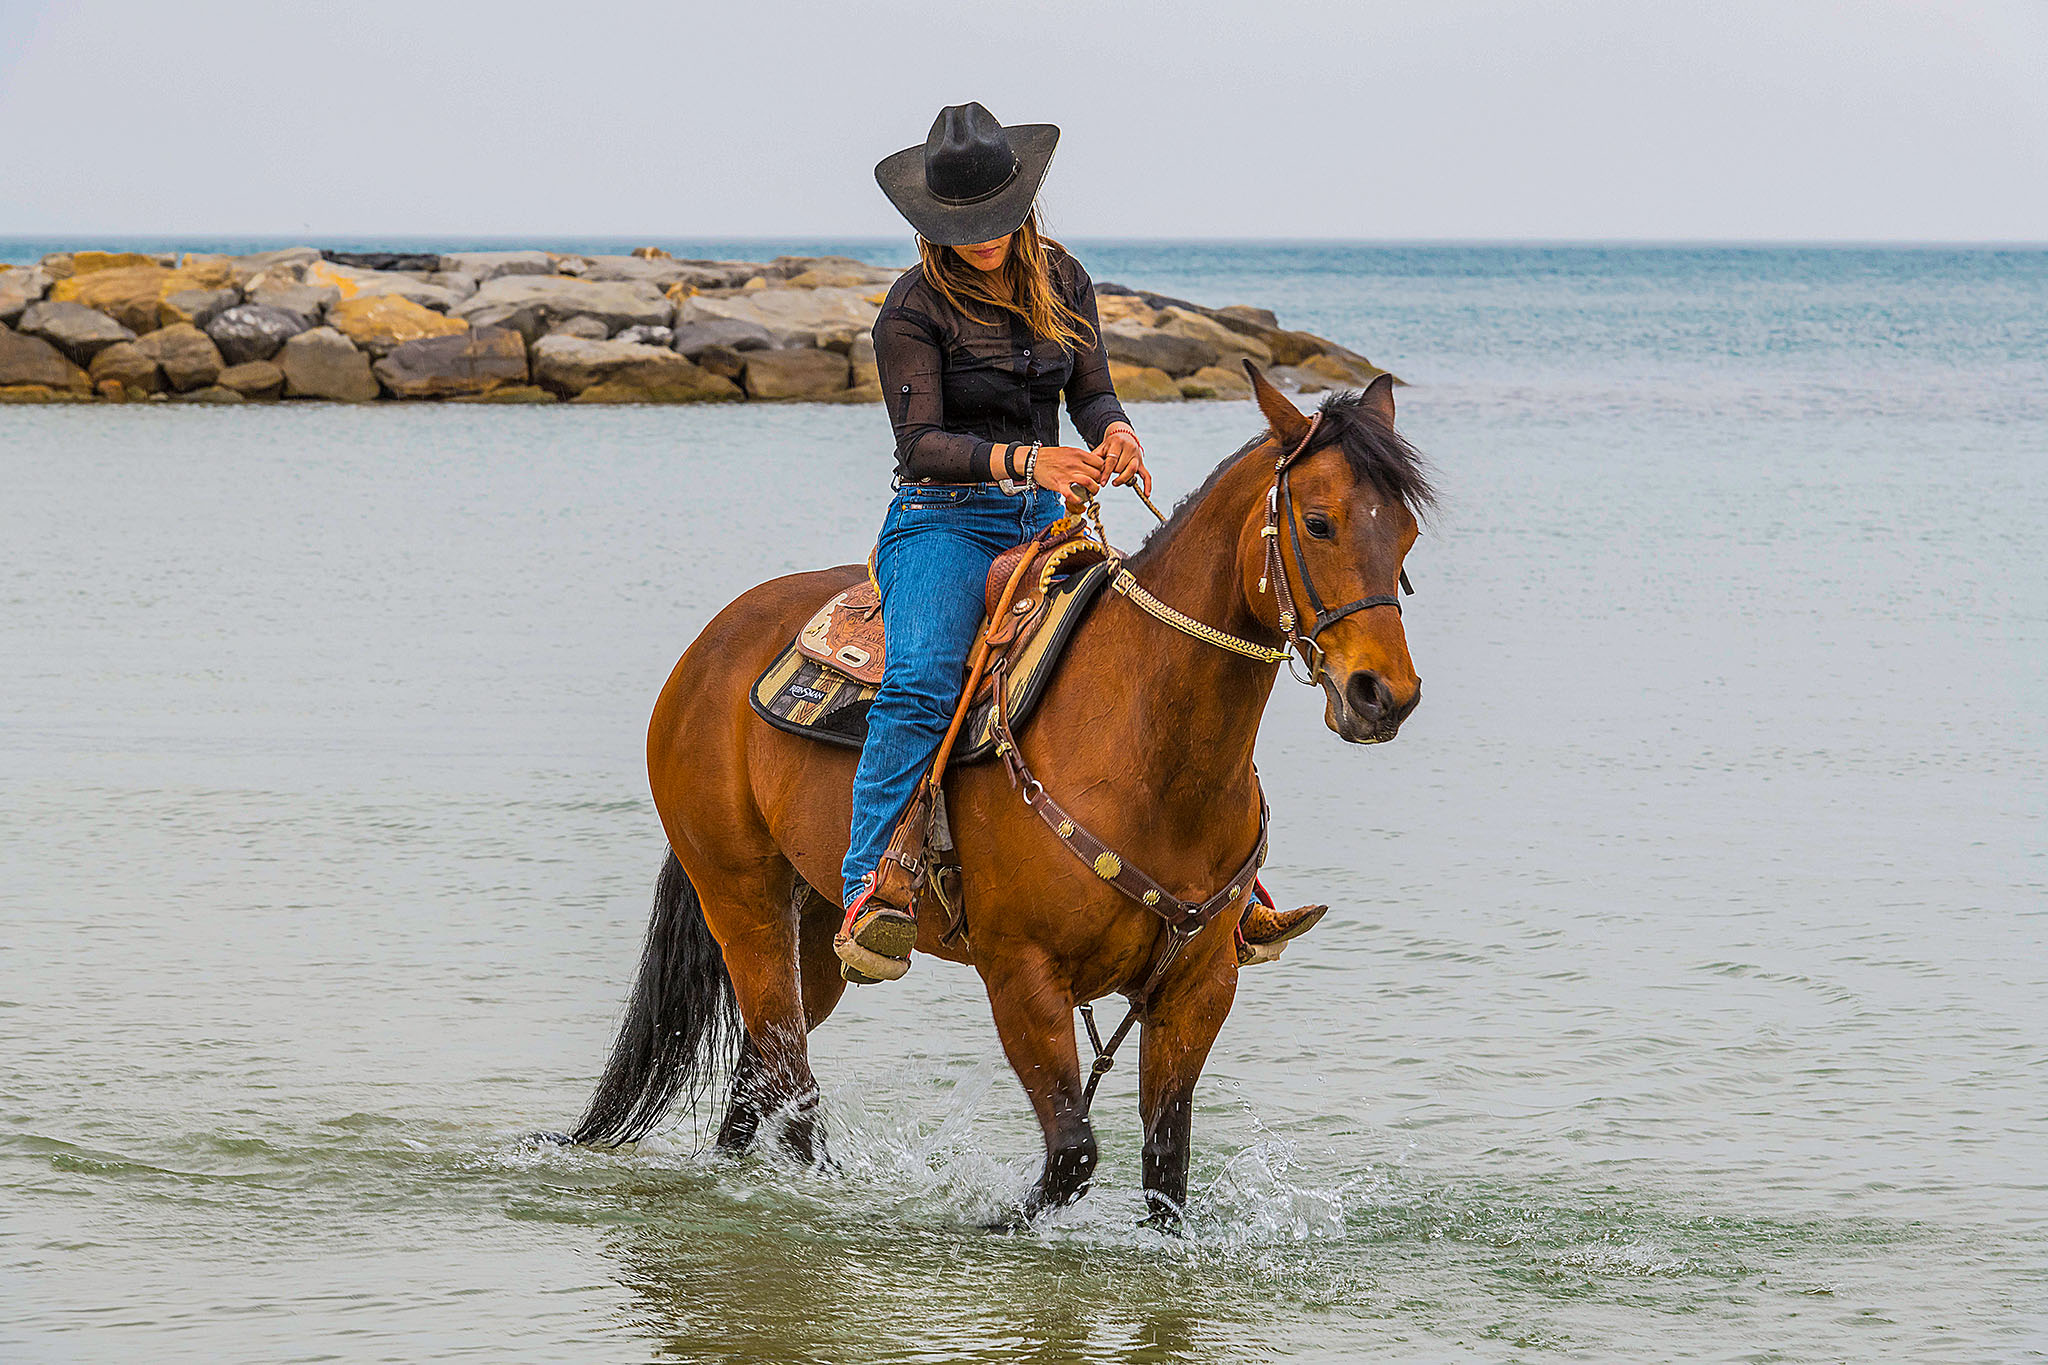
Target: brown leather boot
[{"x": 1263, "y": 932}]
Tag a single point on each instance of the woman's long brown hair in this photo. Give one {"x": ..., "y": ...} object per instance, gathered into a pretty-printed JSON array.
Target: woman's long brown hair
[{"x": 1027, "y": 273}]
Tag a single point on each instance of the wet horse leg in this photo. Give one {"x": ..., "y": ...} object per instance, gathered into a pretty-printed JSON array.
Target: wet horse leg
[
  {"x": 1034, "y": 1015},
  {"x": 1180, "y": 1028},
  {"x": 821, "y": 986},
  {"x": 774, "y": 1071}
]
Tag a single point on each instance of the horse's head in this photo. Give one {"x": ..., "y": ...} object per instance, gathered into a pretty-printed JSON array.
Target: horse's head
[{"x": 1346, "y": 523}]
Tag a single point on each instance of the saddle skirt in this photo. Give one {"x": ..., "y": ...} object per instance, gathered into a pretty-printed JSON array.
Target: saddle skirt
[{"x": 821, "y": 685}]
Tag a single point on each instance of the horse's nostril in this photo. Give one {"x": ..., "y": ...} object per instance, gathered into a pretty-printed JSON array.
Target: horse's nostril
[{"x": 1367, "y": 695}]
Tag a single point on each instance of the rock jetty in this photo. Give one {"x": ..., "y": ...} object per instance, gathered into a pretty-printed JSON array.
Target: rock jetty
[{"x": 544, "y": 327}]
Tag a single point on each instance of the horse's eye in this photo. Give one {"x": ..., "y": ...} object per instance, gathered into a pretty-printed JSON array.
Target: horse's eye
[{"x": 1318, "y": 525}]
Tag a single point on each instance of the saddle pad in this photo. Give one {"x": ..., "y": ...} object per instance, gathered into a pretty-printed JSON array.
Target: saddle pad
[{"x": 806, "y": 697}]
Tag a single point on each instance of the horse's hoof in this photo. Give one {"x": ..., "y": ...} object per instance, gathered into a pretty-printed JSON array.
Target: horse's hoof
[{"x": 548, "y": 1138}]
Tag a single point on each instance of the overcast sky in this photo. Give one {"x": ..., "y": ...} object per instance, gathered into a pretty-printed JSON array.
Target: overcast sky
[{"x": 1444, "y": 118}]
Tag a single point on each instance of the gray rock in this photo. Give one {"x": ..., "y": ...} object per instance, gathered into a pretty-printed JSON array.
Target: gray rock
[
  {"x": 187, "y": 355},
  {"x": 647, "y": 336},
  {"x": 76, "y": 330},
  {"x": 254, "y": 331},
  {"x": 590, "y": 329},
  {"x": 323, "y": 363},
  {"x": 543, "y": 302},
  {"x": 795, "y": 374},
  {"x": 1150, "y": 346},
  {"x": 484, "y": 266},
  {"x": 456, "y": 282},
  {"x": 196, "y": 306},
  {"x": 128, "y": 365},
  {"x": 569, "y": 365},
  {"x": 257, "y": 379},
  {"x": 369, "y": 284},
  {"x": 862, "y": 357},
  {"x": 21, "y": 287},
  {"x": 476, "y": 361},
  {"x": 793, "y": 317},
  {"x": 293, "y": 258},
  {"x": 31, "y": 360},
  {"x": 659, "y": 271},
  {"x": 308, "y": 301},
  {"x": 1230, "y": 343},
  {"x": 694, "y": 338}
]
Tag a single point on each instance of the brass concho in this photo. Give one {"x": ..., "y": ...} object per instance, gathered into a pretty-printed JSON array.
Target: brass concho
[
  {"x": 1151, "y": 898},
  {"x": 1107, "y": 865},
  {"x": 1235, "y": 892},
  {"x": 1066, "y": 829}
]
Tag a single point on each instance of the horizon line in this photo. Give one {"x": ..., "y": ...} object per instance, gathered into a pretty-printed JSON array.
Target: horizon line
[{"x": 1990, "y": 243}]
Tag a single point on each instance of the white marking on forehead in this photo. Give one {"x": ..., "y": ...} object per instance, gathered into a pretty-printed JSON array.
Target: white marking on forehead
[{"x": 1375, "y": 511}]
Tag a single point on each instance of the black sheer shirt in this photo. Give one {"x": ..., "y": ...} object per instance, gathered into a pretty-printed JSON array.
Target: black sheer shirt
[{"x": 956, "y": 387}]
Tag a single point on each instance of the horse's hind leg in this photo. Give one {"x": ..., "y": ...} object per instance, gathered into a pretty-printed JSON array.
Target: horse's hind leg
[
  {"x": 820, "y": 986},
  {"x": 1180, "y": 1028},
  {"x": 754, "y": 917}
]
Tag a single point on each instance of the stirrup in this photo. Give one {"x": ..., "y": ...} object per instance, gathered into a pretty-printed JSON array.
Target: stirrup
[
  {"x": 874, "y": 942},
  {"x": 1264, "y": 931}
]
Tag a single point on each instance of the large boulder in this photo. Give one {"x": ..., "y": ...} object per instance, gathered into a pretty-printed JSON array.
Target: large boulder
[
  {"x": 475, "y": 361},
  {"x": 289, "y": 263},
  {"x": 455, "y": 282},
  {"x": 1229, "y": 343},
  {"x": 188, "y": 357},
  {"x": 41, "y": 393},
  {"x": 256, "y": 379},
  {"x": 485, "y": 266},
  {"x": 322, "y": 363},
  {"x": 91, "y": 262},
  {"x": 534, "y": 305},
  {"x": 1155, "y": 348},
  {"x": 20, "y": 287},
  {"x": 1344, "y": 371},
  {"x": 795, "y": 374},
  {"x": 1143, "y": 383},
  {"x": 309, "y": 301},
  {"x": 590, "y": 329},
  {"x": 129, "y": 366},
  {"x": 793, "y": 317},
  {"x": 379, "y": 323},
  {"x": 353, "y": 283},
  {"x": 692, "y": 339},
  {"x": 76, "y": 330},
  {"x": 196, "y": 306},
  {"x": 128, "y": 294},
  {"x": 33, "y": 362},
  {"x": 254, "y": 331},
  {"x": 862, "y": 357},
  {"x": 572, "y": 366}
]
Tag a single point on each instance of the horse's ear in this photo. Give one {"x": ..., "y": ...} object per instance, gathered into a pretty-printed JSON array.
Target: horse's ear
[
  {"x": 1378, "y": 398},
  {"x": 1287, "y": 421}
]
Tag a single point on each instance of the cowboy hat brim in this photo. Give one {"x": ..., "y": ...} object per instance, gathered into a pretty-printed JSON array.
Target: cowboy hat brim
[{"x": 901, "y": 176}]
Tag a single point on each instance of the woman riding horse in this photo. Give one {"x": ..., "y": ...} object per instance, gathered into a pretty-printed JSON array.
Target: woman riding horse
[{"x": 975, "y": 346}]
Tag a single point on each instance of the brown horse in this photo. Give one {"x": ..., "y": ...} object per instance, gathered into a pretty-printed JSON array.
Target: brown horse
[{"x": 1145, "y": 735}]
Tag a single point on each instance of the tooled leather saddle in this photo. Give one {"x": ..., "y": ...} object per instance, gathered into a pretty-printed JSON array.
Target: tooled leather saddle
[{"x": 846, "y": 633}]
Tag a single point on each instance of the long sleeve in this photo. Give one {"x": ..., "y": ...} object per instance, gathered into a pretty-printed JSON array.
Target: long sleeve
[
  {"x": 1091, "y": 398},
  {"x": 910, "y": 362}
]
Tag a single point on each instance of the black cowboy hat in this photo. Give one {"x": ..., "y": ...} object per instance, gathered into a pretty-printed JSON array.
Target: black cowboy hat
[{"x": 973, "y": 180}]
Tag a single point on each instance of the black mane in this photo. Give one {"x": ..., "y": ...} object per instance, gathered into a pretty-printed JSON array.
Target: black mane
[{"x": 1378, "y": 455}]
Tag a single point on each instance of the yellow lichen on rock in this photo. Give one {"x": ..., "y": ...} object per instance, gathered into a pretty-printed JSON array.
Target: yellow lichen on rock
[
  {"x": 383, "y": 321},
  {"x": 320, "y": 274},
  {"x": 92, "y": 262},
  {"x": 1143, "y": 383}
]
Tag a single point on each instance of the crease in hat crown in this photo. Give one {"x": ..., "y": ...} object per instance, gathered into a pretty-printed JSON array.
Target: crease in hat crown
[{"x": 967, "y": 148}]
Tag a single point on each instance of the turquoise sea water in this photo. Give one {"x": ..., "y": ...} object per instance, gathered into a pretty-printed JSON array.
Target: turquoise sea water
[{"x": 1682, "y": 998}]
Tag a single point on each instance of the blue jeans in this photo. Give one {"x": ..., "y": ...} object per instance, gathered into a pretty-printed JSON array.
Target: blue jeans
[{"x": 932, "y": 563}]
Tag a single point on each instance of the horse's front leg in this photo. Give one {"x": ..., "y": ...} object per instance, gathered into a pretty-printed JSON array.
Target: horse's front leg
[
  {"x": 1180, "y": 1027},
  {"x": 1034, "y": 1013}
]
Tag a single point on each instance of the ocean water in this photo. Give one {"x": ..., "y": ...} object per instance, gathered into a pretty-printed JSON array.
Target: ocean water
[{"x": 1683, "y": 998}]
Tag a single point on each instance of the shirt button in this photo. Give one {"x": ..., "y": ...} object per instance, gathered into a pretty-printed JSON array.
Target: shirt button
[
  {"x": 1027, "y": 350},
  {"x": 906, "y": 388}
]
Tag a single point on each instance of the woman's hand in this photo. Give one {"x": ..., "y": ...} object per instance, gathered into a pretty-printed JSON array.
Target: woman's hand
[
  {"x": 1123, "y": 458},
  {"x": 1075, "y": 474}
]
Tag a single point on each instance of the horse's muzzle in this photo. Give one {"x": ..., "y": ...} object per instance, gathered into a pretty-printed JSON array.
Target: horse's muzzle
[{"x": 1364, "y": 711}]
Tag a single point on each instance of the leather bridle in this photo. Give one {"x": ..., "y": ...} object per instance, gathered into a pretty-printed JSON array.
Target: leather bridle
[{"x": 1279, "y": 508}]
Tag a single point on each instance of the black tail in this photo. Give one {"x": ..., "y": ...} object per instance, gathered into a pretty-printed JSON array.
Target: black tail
[{"x": 681, "y": 1026}]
